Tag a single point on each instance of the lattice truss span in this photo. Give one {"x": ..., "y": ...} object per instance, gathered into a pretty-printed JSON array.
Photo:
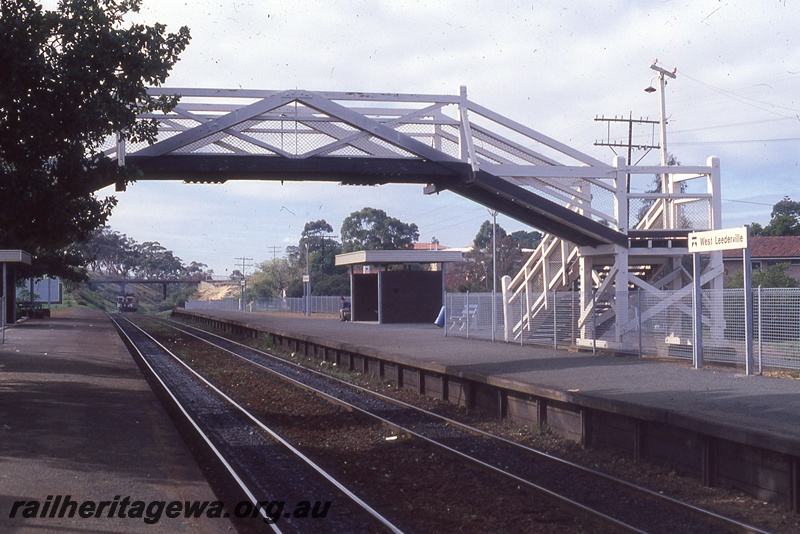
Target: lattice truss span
[
  {"x": 448, "y": 142},
  {"x": 443, "y": 141},
  {"x": 304, "y": 124}
]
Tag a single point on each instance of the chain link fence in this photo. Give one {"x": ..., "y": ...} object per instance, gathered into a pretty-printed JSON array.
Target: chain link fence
[
  {"x": 650, "y": 324},
  {"x": 472, "y": 315},
  {"x": 314, "y": 304}
]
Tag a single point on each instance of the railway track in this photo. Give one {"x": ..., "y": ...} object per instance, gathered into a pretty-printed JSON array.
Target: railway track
[
  {"x": 594, "y": 496},
  {"x": 263, "y": 466}
]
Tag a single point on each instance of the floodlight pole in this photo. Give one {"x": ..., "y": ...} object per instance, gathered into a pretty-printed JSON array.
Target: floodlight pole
[
  {"x": 307, "y": 285},
  {"x": 662, "y": 108},
  {"x": 666, "y": 186},
  {"x": 494, "y": 270}
]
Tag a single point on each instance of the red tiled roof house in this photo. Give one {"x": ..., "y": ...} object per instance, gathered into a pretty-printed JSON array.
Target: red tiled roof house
[{"x": 766, "y": 251}]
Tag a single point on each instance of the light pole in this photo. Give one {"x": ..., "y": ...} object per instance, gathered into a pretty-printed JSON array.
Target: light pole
[
  {"x": 663, "y": 122},
  {"x": 666, "y": 185},
  {"x": 493, "y": 213},
  {"x": 307, "y": 285},
  {"x": 243, "y": 304}
]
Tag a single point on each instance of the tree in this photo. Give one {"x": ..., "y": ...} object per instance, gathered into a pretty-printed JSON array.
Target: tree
[
  {"x": 785, "y": 219},
  {"x": 483, "y": 240},
  {"x": 657, "y": 186},
  {"x": 527, "y": 240},
  {"x": 772, "y": 276},
  {"x": 272, "y": 278},
  {"x": 71, "y": 79},
  {"x": 475, "y": 274},
  {"x": 109, "y": 253},
  {"x": 314, "y": 233},
  {"x": 155, "y": 261},
  {"x": 373, "y": 229},
  {"x": 322, "y": 247}
]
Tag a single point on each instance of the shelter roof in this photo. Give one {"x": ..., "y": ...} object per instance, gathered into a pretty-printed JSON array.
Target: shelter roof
[
  {"x": 377, "y": 257},
  {"x": 15, "y": 256}
]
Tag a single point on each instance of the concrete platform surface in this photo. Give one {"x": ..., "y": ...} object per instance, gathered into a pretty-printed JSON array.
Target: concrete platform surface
[
  {"x": 739, "y": 406},
  {"x": 78, "y": 423}
]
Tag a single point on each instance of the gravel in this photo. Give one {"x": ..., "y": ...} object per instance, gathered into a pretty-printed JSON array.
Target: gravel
[{"x": 423, "y": 488}]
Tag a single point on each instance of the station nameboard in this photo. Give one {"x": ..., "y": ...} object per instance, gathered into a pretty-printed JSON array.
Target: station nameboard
[{"x": 714, "y": 240}]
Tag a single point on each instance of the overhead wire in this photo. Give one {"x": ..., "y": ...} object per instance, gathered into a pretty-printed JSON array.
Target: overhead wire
[{"x": 747, "y": 100}]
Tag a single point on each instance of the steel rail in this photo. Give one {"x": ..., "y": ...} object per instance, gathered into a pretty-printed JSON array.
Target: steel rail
[
  {"x": 733, "y": 524},
  {"x": 305, "y": 459},
  {"x": 242, "y": 485},
  {"x": 558, "y": 498}
]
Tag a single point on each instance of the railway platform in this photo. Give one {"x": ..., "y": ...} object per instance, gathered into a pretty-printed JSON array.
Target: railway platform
[
  {"x": 79, "y": 424},
  {"x": 718, "y": 395},
  {"x": 77, "y": 418},
  {"x": 717, "y": 423}
]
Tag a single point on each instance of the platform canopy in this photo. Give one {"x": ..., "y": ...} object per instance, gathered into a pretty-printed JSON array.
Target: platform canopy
[
  {"x": 379, "y": 257},
  {"x": 9, "y": 256},
  {"x": 15, "y": 256}
]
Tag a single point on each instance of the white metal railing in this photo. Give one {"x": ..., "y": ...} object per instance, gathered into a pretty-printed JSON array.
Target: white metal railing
[
  {"x": 470, "y": 315},
  {"x": 686, "y": 201},
  {"x": 660, "y": 324},
  {"x": 299, "y": 124}
]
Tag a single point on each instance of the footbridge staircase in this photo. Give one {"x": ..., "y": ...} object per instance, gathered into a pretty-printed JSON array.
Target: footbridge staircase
[
  {"x": 592, "y": 294},
  {"x": 600, "y": 232}
]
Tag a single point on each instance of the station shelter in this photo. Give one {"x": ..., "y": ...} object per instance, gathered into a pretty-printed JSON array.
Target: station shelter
[
  {"x": 7, "y": 300},
  {"x": 397, "y": 286}
]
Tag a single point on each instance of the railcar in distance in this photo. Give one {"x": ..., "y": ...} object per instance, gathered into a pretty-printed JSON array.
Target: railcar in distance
[{"x": 127, "y": 303}]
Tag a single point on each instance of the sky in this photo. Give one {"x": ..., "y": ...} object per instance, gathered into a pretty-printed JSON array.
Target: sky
[{"x": 553, "y": 66}]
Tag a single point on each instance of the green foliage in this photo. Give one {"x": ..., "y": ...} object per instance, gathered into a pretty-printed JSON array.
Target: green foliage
[
  {"x": 373, "y": 229},
  {"x": 483, "y": 240},
  {"x": 272, "y": 278},
  {"x": 657, "y": 186},
  {"x": 316, "y": 234},
  {"x": 528, "y": 240},
  {"x": 71, "y": 79},
  {"x": 331, "y": 285},
  {"x": 111, "y": 254},
  {"x": 475, "y": 274},
  {"x": 772, "y": 276},
  {"x": 785, "y": 219},
  {"x": 295, "y": 288}
]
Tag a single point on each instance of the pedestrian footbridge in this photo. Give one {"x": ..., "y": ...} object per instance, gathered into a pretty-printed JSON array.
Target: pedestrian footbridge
[{"x": 602, "y": 233}]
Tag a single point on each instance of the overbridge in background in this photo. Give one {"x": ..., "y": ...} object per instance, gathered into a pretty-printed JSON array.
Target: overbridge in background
[{"x": 125, "y": 282}]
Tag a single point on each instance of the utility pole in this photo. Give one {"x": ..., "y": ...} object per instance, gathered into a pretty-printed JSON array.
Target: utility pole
[
  {"x": 629, "y": 145},
  {"x": 245, "y": 265},
  {"x": 322, "y": 237},
  {"x": 274, "y": 251}
]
